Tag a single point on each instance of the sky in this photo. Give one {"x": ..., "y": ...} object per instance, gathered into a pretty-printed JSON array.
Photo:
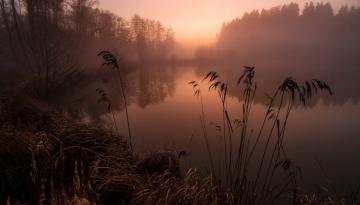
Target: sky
[{"x": 198, "y": 20}]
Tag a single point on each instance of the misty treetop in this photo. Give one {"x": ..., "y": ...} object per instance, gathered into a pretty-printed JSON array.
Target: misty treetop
[{"x": 315, "y": 33}]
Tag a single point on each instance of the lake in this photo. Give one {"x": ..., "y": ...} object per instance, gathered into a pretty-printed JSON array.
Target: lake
[{"x": 322, "y": 138}]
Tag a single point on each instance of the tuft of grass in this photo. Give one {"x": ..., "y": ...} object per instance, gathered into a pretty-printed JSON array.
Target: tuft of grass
[{"x": 198, "y": 93}]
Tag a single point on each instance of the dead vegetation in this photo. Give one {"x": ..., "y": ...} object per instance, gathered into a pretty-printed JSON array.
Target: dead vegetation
[{"x": 48, "y": 158}]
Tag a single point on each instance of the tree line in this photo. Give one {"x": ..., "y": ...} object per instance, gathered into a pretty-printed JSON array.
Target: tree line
[
  {"x": 47, "y": 38},
  {"x": 315, "y": 34}
]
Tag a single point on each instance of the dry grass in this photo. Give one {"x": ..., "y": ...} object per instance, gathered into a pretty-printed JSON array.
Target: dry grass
[
  {"x": 191, "y": 189},
  {"x": 48, "y": 158},
  {"x": 313, "y": 199}
]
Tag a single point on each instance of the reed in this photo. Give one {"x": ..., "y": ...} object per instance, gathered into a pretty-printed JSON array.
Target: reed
[
  {"x": 198, "y": 93},
  {"x": 259, "y": 187},
  {"x": 111, "y": 61}
]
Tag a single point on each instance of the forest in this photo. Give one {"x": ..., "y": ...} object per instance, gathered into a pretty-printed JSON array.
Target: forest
[
  {"x": 50, "y": 39},
  {"x": 312, "y": 34}
]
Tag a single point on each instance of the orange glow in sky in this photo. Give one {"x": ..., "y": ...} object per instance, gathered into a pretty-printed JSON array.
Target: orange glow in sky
[{"x": 197, "y": 21}]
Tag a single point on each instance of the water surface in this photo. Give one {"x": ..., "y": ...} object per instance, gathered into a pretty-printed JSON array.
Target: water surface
[{"x": 322, "y": 138}]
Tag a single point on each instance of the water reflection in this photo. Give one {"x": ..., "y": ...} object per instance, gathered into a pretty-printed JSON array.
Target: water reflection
[
  {"x": 151, "y": 85},
  {"x": 342, "y": 79},
  {"x": 143, "y": 86}
]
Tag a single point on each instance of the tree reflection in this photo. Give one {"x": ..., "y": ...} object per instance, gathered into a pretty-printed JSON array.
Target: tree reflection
[{"x": 143, "y": 86}]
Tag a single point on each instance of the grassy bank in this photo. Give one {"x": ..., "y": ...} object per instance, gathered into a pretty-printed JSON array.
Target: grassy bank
[{"x": 49, "y": 158}]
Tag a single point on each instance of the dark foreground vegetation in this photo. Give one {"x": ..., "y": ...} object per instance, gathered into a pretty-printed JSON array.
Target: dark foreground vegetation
[{"x": 48, "y": 158}]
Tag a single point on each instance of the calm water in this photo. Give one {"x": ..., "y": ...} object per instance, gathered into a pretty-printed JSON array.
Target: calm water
[{"x": 164, "y": 115}]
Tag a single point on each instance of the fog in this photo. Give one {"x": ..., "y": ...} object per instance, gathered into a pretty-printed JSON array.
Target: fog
[
  {"x": 52, "y": 46},
  {"x": 284, "y": 41}
]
